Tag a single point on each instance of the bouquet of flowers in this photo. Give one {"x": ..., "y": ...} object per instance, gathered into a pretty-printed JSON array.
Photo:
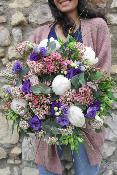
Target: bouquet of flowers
[{"x": 57, "y": 91}]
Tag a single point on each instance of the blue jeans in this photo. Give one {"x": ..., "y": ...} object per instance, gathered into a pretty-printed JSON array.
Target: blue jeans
[{"x": 81, "y": 164}]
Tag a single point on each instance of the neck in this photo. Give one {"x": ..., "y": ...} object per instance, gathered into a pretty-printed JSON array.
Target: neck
[{"x": 73, "y": 15}]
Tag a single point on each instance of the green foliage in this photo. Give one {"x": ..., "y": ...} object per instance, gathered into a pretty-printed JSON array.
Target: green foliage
[
  {"x": 78, "y": 80},
  {"x": 51, "y": 46},
  {"x": 97, "y": 75},
  {"x": 24, "y": 71},
  {"x": 73, "y": 140},
  {"x": 106, "y": 85},
  {"x": 41, "y": 89},
  {"x": 70, "y": 51},
  {"x": 11, "y": 115}
]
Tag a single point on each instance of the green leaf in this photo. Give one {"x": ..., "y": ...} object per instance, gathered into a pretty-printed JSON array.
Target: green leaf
[
  {"x": 41, "y": 89},
  {"x": 36, "y": 90},
  {"x": 82, "y": 79},
  {"x": 98, "y": 75},
  {"x": 78, "y": 80},
  {"x": 80, "y": 139},
  {"x": 24, "y": 71},
  {"x": 52, "y": 46},
  {"x": 75, "y": 82}
]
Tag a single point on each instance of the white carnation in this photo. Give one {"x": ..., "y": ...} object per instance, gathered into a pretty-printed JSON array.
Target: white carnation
[
  {"x": 76, "y": 116},
  {"x": 34, "y": 80},
  {"x": 60, "y": 85},
  {"x": 19, "y": 106},
  {"x": 90, "y": 56}
]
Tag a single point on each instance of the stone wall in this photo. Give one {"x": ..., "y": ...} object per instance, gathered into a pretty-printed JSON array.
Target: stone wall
[{"x": 18, "y": 18}]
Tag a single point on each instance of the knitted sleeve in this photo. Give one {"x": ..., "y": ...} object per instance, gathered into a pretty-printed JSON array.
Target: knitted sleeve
[
  {"x": 40, "y": 33},
  {"x": 103, "y": 46}
]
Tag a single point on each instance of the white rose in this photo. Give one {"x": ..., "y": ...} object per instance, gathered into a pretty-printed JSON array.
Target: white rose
[
  {"x": 34, "y": 80},
  {"x": 76, "y": 116},
  {"x": 90, "y": 56},
  {"x": 60, "y": 85},
  {"x": 19, "y": 106}
]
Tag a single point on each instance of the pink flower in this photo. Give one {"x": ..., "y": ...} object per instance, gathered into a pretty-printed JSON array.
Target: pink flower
[
  {"x": 51, "y": 68},
  {"x": 56, "y": 56}
]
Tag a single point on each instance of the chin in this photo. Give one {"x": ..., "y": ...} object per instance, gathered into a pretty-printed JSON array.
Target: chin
[
  {"x": 66, "y": 9},
  {"x": 66, "y": 5}
]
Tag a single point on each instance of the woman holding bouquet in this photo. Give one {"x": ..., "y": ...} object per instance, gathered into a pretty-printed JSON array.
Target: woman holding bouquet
[{"x": 90, "y": 28}]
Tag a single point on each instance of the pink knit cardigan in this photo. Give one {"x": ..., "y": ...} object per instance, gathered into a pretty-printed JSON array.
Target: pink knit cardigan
[{"x": 95, "y": 34}]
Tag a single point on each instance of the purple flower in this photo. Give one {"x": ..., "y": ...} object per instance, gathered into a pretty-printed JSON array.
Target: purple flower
[
  {"x": 8, "y": 90},
  {"x": 54, "y": 105},
  {"x": 26, "y": 85},
  {"x": 35, "y": 123},
  {"x": 64, "y": 110},
  {"x": 34, "y": 56},
  {"x": 60, "y": 112},
  {"x": 43, "y": 51},
  {"x": 72, "y": 72},
  {"x": 62, "y": 121},
  {"x": 17, "y": 67},
  {"x": 93, "y": 109}
]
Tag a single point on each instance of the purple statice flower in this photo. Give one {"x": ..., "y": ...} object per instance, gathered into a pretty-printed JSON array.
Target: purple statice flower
[
  {"x": 93, "y": 109},
  {"x": 62, "y": 121},
  {"x": 43, "y": 51},
  {"x": 72, "y": 72},
  {"x": 17, "y": 67},
  {"x": 34, "y": 56},
  {"x": 35, "y": 123},
  {"x": 26, "y": 85}
]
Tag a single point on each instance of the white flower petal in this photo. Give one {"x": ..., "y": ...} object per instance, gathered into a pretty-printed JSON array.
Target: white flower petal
[
  {"x": 76, "y": 116},
  {"x": 43, "y": 43},
  {"x": 52, "y": 39},
  {"x": 90, "y": 56},
  {"x": 60, "y": 85}
]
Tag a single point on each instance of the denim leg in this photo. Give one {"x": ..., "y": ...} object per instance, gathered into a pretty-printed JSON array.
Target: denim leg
[
  {"x": 43, "y": 171},
  {"x": 81, "y": 163}
]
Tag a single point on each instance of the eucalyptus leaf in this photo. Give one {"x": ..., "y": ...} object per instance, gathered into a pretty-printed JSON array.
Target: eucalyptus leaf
[
  {"x": 82, "y": 79},
  {"x": 24, "y": 71},
  {"x": 52, "y": 46},
  {"x": 78, "y": 80},
  {"x": 75, "y": 82},
  {"x": 41, "y": 89}
]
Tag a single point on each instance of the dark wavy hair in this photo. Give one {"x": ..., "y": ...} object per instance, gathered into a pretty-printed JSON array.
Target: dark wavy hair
[{"x": 83, "y": 12}]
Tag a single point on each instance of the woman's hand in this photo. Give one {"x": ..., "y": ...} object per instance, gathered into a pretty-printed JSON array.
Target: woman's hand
[{"x": 35, "y": 37}]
